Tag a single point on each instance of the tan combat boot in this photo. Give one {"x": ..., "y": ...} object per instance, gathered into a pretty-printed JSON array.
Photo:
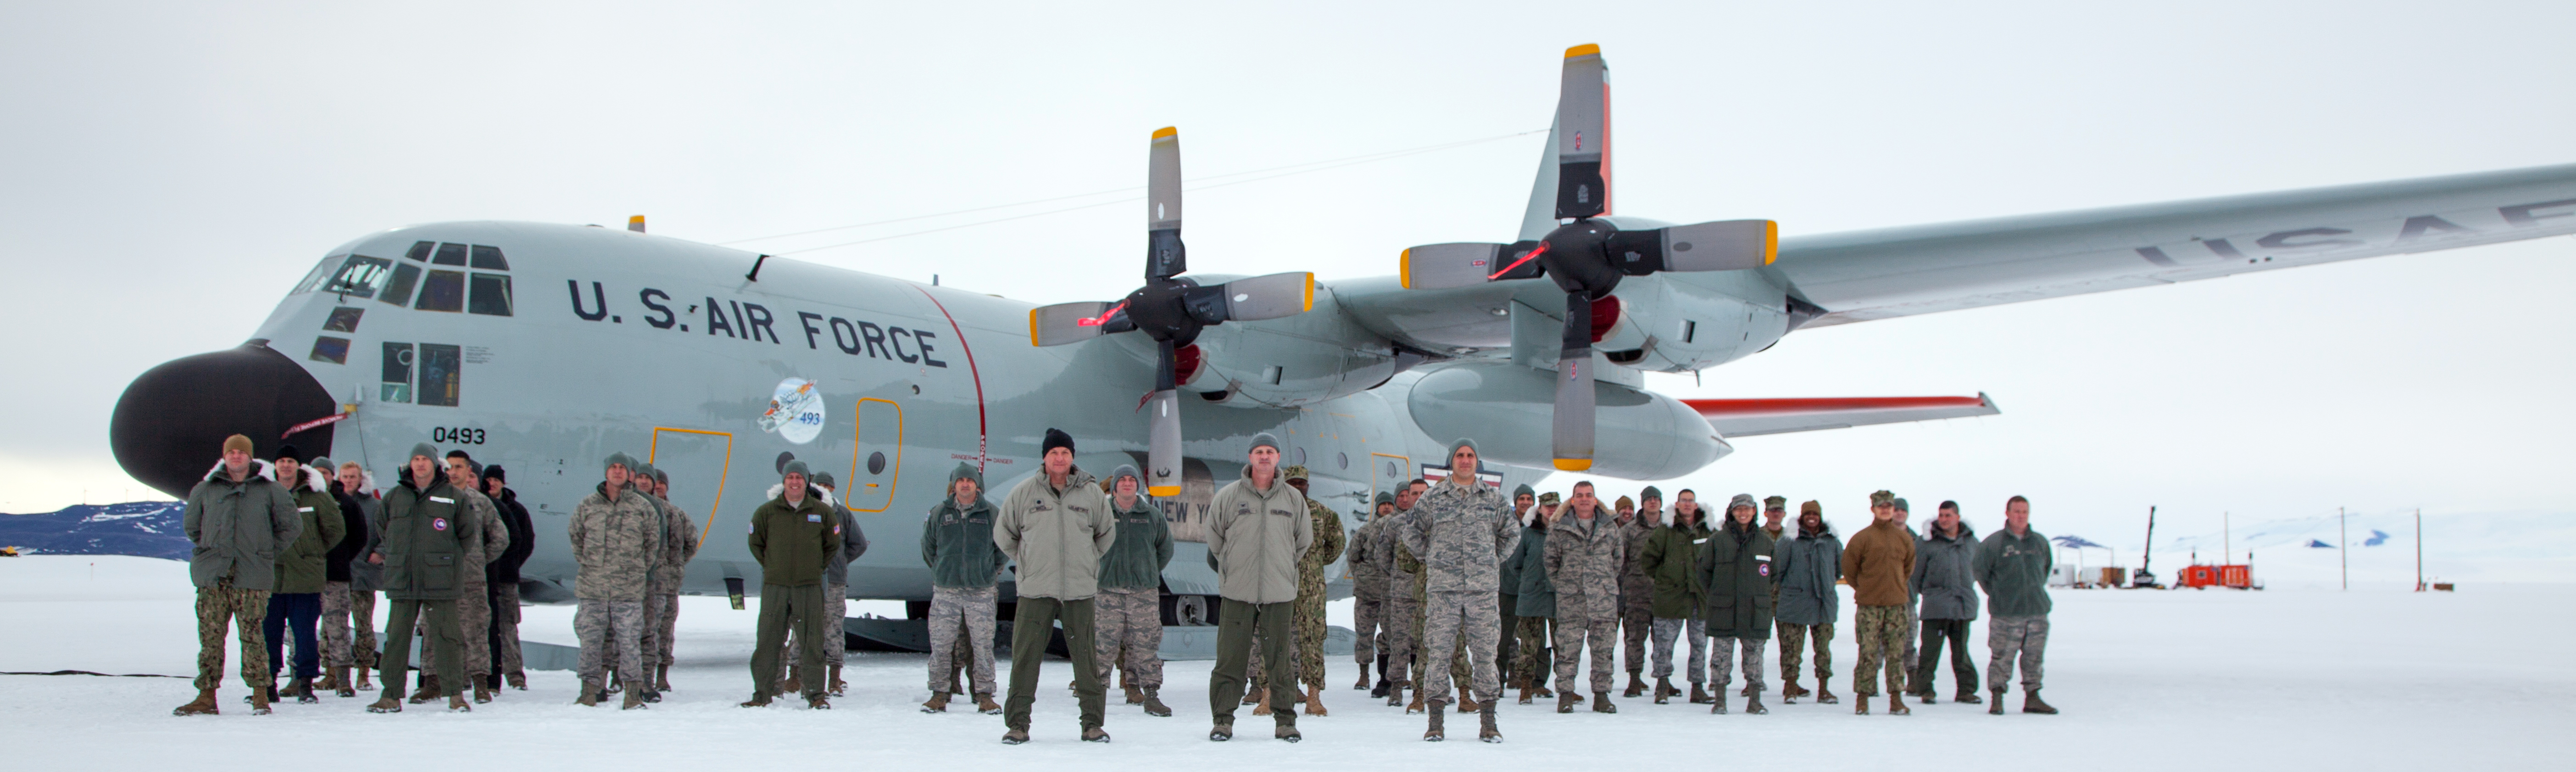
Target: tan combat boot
[
  {"x": 1487, "y": 732},
  {"x": 1315, "y": 701},
  {"x": 1636, "y": 686},
  {"x": 795, "y": 680},
  {"x": 205, "y": 705},
  {"x": 1467, "y": 703},
  {"x": 428, "y": 689},
  {"x": 365, "y": 684},
  {"x": 386, "y": 705},
  {"x": 1601, "y": 703},
  {"x": 1896, "y": 705},
  {"x": 340, "y": 683},
  {"x": 482, "y": 693},
  {"x": 1257, "y": 695},
  {"x": 302, "y": 691},
  {"x": 260, "y": 697},
  {"x": 1154, "y": 704},
  {"x": 984, "y": 704},
  {"x": 661, "y": 679},
  {"x": 1135, "y": 696},
  {"x": 1700, "y": 696},
  {"x": 589, "y": 695},
  {"x": 835, "y": 686},
  {"x": 1415, "y": 706},
  {"x": 819, "y": 701},
  {"x": 1825, "y": 696},
  {"x": 1363, "y": 683},
  {"x": 1790, "y": 691},
  {"x": 1860, "y": 706},
  {"x": 456, "y": 703},
  {"x": 938, "y": 703},
  {"x": 758, "y": 700}
]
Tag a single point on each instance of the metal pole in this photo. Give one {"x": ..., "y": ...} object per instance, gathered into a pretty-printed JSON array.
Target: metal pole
[
  {"x": 2419, "y": 549},
  {"x": 2343, "y": 557},
  {"x": 2226, "y": 540}
]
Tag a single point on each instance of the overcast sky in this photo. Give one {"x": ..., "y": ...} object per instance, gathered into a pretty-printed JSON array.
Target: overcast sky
[{"x": 172, "y": 168}]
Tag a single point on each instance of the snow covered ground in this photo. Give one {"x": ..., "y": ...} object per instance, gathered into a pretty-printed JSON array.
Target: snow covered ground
[{"x": 2289, "y": 678}]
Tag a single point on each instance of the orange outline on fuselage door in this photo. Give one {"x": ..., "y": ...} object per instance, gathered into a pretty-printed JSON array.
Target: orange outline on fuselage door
[
  {"x": 895, "y": 472},
  {"x": 721, "y": 476}
]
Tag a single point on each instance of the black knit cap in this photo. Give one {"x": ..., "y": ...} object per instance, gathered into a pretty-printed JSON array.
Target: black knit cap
[
  {"x": 287, "y": 452},
  {"x": 494, "y": 473},
  {"x": 1056, "y": 438}
]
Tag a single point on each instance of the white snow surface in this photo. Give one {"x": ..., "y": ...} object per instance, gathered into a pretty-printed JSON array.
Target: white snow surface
[{"x": 2285, "y": 678}]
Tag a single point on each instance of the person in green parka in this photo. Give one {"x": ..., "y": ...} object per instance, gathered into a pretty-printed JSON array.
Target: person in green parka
[
  {"x": 792, "y": 536},
  {"x": 1736, "y": 572},
  {"x": 1671, "y": 561},
  {"x": 295, "y": 607}
]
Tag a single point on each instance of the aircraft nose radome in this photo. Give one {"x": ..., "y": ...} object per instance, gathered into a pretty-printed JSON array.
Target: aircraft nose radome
[{"x": 170, "y": 425}]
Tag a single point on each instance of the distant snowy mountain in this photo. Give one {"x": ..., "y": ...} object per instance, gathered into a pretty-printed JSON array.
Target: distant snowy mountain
[{"x": 142, "y": 528}]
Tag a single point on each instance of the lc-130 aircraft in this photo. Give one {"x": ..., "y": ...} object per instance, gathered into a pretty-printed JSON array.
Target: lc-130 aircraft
[{"x": 718, "y": 365}]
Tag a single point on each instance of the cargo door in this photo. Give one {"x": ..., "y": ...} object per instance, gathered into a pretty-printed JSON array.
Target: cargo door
[
  {"x": 876, "y": 456},
  {"x": 698, "y": 463}
]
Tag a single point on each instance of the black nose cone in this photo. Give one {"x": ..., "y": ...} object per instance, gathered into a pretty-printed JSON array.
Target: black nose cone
[{"x": 170, "y": 425}]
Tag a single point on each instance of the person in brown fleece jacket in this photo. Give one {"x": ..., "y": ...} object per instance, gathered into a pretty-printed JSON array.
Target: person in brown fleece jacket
[{"x": 1878, "y": 561}]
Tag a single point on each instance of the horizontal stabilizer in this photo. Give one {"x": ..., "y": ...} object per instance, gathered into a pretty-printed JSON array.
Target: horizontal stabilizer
[{"x": 1750, "y": 417}]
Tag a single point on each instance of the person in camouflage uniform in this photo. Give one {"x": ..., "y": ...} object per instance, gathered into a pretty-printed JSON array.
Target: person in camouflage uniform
[
  {"x": 965, "y": 572},
  {"x": 357, "y": 648},
  {"x": 474, "y": 607},
  {"x": 1128, "y": 617},
  {"x": 238, "y": 522},
  {"x": 335, "y": 587},
  {"x": 1461, "y": 673},
  {"x": 616, "y": 538},
  {"x": 1736, "y": 570},
  {"x": 1462, "y": 530},
  {"x": 1913, "y": 599},
  {"x": 1636, "y": 589},
  {"x": 1401, "y": 609},
  {"x": 1508, "y": 619},
  {"x": 1877, "y": 562},
  {"x": 1671, "y": 558},
  {"x": 1311, "y": 593},
  {"x": 1584, "y": 556},
  {"x": 670, "y": 569},
  {"x": 1808, "y": 604},
  {"x": 836, "y": 582},
  {"x": 1368, "y": 588}
]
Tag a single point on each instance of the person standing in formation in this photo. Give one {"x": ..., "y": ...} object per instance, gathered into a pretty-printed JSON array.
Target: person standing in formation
[
  {"x": 1508, "y": 574},
  {"x": 2013, "y": 565},
  {"x": 965, "y": 576},
  {"x": 366, "y": 578},
  {"x": 354, "y": 537},
  {"x": 1584, "y": 554},
  {"x": 1913, "y": 598},
  {"x": 430, "y": 538},
  {"x": 616, "y": 537},
  {"x": 1945, "y": 576},
  {"x": 474, "y": 599},
  {"x": 236, "y": 519},
  {"x": 792, "y": 537},
  {"x": 1878, "y": 561},
  {"x": 1311, "y": 594},
  {"x": 1368, "y": 594},
  {"x": 658, "y": 578},
  {"x": 1461, "y": 531},
  {"x": 1809, "y": 605},
  {"x": 1537, "y": 609},
  {"x": 1401, "y": 610},
  {"x": 836, "y": 581},
  {"x": 1129, "y": 609},
  {"x": 1636, "y": 590},
  {"x": 1257, "y": 531},
  {"x": 1671, "y": 559},
  {"x": 296, "y": 604},
  {"x": 1736, "y": 569},
  {"x": 1056, "y": 526},
  {"x": 503, "y": 577}
]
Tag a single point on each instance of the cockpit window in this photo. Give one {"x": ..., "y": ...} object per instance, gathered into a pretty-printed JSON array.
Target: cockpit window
[
  {"x": 442, "y": 291},
  {"x": 489, "y": 258},
  {"x": 321, "y": 272},
  {"x": 420, "y": 250},
  {"x": 449, "y": 254},
  {"x": 398, "y": 292},
  {"x": 359, "y": 276},
  {"x": 491, "y": 292}
]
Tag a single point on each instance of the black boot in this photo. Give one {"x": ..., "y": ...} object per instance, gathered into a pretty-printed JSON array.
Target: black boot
[{"x": 2030, "y": 703}]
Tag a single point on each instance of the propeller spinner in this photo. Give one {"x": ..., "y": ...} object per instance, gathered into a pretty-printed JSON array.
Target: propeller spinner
[
  {"x": 1171, "y": 309},
  {"x": 1587, "y": 256}
]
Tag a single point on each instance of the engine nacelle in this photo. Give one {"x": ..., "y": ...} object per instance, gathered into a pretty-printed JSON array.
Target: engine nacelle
[
  {"x": 1299, "y": 360},
  {"x": 1508, "y": 409},
  {"x": 1679, "y": 322}
]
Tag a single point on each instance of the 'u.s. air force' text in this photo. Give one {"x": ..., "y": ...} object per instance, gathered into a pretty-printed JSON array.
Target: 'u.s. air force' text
[{"x": 747, "y": 321}]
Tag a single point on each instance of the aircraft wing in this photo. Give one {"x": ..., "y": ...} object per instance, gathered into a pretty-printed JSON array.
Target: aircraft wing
[
  {"x": 1877, "y": 274},
  {"x": 1749, "y": 417}
]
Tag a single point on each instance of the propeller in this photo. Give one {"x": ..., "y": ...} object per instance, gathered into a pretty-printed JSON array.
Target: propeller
[
  {"x": 1171, "y": 309},
  {"x": 1587, "y": 255}
]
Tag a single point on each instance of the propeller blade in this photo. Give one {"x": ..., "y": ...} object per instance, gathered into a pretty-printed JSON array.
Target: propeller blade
[
  {"x": 1583, "y": 135},
  {"x": 1164, "y": 255},
  {"x": 1571, "y": 439},
  {"x": 1730, "y": 245},
  {"x": 1163, "y": 446},
  {"x": 1466, "y": 264},
  {"x": 1268, "y": 297},
  {"x": 1064, "y": 323}
]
